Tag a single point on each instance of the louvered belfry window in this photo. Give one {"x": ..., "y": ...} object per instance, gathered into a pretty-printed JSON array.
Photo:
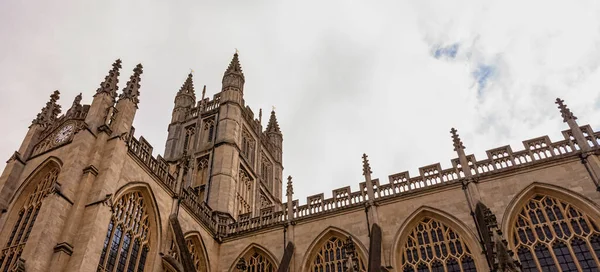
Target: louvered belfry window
[
  {"x": 126, "y": 245},
  {"x": 27, "y": 216},
  {"x": 553, "y": 235}
]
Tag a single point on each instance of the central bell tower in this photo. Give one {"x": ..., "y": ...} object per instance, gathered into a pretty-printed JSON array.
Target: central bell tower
[{"x": 235, "y": 166}]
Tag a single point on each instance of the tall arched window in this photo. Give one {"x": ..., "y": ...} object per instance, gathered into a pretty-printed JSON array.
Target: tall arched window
[
  {"x": 127, "y": 245},
  {"x": 257, "y": 261},
  {"x": 244, "y": 193},
  {"x": 27, "y": 215},
  {"x": 433, "y": 246},
  {"x": 195, "y": 248},
  {"x": 550, "y": 234},
  {"x": 332, "y": 257},
  {"x": 201, "y": 177}
]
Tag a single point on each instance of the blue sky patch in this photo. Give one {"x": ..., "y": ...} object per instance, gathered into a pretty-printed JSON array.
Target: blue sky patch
[
  {"x": 448, "y": 51},
  {"x": 482, "y": 74}
]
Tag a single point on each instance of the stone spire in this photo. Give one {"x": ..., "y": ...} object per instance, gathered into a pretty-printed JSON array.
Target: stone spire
[
  {"x": 458, "y": 144},
  {"x": 109, "y": 85},
  {"x": 290, "y": 188},
  {"x": 132, "y": 90},
  {"x": 50, "y": 112},
  {"x": 273, "y": 126},
  {"x": 460, "y": 150},
  {"x": 234, "y": 77},
  {"x": 188, "y": 87},
  {"x": 564, "y": 111}
]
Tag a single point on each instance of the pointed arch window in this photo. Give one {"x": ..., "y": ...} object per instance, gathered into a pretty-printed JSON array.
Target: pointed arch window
[
  {"x": 126, "y": 245},
  {"x": 434, "y": 246},
  {"x": 244, "y": 193},
  {"x": 189, "y": 135},
  {"x": 552, "y": 235},
  {"x": 248, "y": 146},
  {"x": 201, "y": 177},
  {"x": 332, "y": 257},
  {"x": 194, "y": 246},
  {"x": 256, "y": 261},
  {"x": 209, "y": 128},
  {"x": 26, "y": 218}
]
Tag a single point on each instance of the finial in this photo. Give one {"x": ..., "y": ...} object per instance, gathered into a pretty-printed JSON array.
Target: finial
[
  {"x": 366, "y": 166},
  {"x": 565, "y": 111},
  {"x": 132, "y": 90},
  {"x": 290, "y": 188},
  {"x": 260, "y": 116},
  {"x": 456, "y": 139},
  {"x": 109, "y": 85},
  {"x": 77, "y": 100},
  {"x": 50, "y": 112},
  {"x": 191, "y": 71},
  {"x": 237, "y": 51},
  {"x": 273, "y": 108},
  {"x": 233, "y": 76}
]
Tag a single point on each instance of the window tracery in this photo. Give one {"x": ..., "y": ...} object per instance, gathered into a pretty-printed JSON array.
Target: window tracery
[
  {"x": 552, "y": 235},
  {"x": 332, "y": 257},
  {"x": 127, "y": 244},
  {"x": 189, "y": 134},
  {"x": 201, "y": 177},
  {"x": 434, "y": 246},
  {"x": 209, "y": 127},
  {"x": 257, "y": 261},
  {"x": 265, "y": 173},
  {"x": 26, "y": 219},
  {"x": 248, "y": 146},
  {"x": 195, "y": 248},
  {"x": 244, "y": 193}
]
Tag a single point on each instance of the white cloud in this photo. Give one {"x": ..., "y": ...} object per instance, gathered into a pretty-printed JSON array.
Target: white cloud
[{"x": 346, "y": 78}]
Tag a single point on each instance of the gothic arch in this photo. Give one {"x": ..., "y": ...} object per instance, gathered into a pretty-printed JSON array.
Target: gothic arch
[
  {"x": 513, "y": 207},
  {"x": 199, "y": 242},
  {"x": 144, "y": 190},
  {"x": 257, "y": 248},
  {"x": 547, "y": 225},
  {"x": 425, "y": 212},
  {"x": 50, "y": 161},
  {"x": 323, "y": 237},
  {"x": 24, "y": 208}
]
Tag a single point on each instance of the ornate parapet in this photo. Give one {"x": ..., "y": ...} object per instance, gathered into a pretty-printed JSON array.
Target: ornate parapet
[{"x": 141, "y": 151}]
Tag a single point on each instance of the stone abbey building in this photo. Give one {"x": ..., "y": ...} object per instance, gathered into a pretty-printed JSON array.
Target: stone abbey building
[{"x": 84, "y": 193}]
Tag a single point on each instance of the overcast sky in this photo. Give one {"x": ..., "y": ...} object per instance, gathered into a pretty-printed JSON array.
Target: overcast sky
[{"x": 384, "y": 78}]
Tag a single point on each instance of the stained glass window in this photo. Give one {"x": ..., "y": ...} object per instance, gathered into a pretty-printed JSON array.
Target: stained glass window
[
  {"x": 126, "y": 244},
  {"x": 434, "y": 246},
  {"x": 332, "y": 257},
  {"x": 26, "y": 218},
  {"x": 194, "y": 246},
  {"x": 554, "y": 235}
]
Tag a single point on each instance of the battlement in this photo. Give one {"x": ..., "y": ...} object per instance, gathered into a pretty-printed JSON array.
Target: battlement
[
  {"x": 499, "y": 160},
  {"x": 205, "y": 106}
]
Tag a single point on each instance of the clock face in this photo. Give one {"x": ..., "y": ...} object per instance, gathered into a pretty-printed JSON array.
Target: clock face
[{"x": 63, "y": 134}]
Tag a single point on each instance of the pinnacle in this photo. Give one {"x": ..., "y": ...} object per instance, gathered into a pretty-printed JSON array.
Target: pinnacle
[
  {"x": 366, "y": 165},
  {"x": 109, "y": 85},
  {"x": 50, "y": 112},
  {"x": 290, "y": 188},
  {"x": 273, "y": 126},
  {"x": 234, "y": 66},
  {"x": 132, "y": 90},
  {"x": 188, "y": 86},
  {"x": 456, "y": 140},
  {"x": 565, "y": 112}
]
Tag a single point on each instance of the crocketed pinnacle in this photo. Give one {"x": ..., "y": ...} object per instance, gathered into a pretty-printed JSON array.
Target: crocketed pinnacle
[
  {"x": 290, "y": 188},
  {"x": 234, "y": 67},
  {"x": 132, "y": 90},
  {"x": 50, "y": 112},
  {"x": 458, "y": 144},
  {"x": 366, "y": 165},
  {"x": 109, "y": 85},
  {"x": 188, "y": 86},
  {"x": 273, "y": 126},
  {"x": 565, "y": 112}
]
